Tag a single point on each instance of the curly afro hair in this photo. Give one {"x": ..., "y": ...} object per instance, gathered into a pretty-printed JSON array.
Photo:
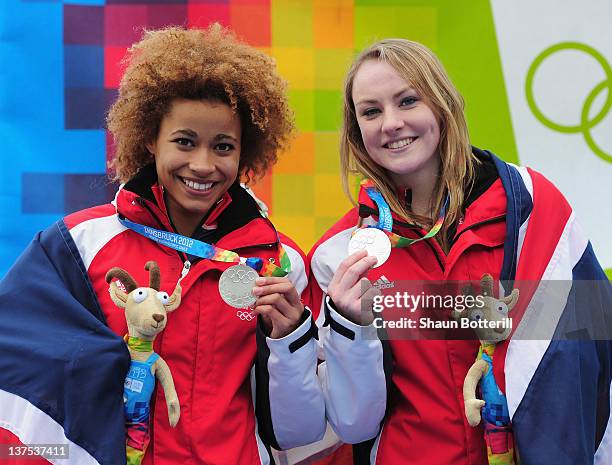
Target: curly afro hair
[{"x": 199, "y": 64}]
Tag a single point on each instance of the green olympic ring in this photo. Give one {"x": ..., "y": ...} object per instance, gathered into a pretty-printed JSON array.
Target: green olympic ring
[{"x": 586, "y": 124}]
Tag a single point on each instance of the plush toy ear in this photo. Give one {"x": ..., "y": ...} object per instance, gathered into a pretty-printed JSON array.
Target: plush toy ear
[
  {"x": 175, "y": 299},
  {"x": 486, "y": 285},
  {"x": 512, "y": 299},
  {"x": 117, "y": 295}
]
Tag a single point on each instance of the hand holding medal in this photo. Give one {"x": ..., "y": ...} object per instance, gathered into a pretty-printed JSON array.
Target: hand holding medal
[
  {"x": 279, "y": 305},
  {"x": 350, "y": 290},
  {"x": 368, "y": 248}
]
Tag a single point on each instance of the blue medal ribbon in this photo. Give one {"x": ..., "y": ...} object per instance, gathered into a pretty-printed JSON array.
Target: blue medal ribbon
[{"x": 203, "y": 250}]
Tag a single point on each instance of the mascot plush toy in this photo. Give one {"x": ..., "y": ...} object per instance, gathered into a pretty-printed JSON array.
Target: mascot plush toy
[
  {"x": 146, "y": 311},
  {"x": 495, "y": 415}
]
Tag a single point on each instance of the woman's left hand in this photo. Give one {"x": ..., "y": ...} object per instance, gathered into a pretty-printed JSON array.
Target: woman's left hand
[{"x": 279, "y": 304}]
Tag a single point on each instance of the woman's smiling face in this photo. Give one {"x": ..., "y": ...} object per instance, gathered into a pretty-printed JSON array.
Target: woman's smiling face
[
  {"x": 399, "y": 130},
  {"x": 197, "y": 155}
]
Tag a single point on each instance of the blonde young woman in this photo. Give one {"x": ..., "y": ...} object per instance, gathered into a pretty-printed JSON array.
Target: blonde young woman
[{"x": 452, "y": 213}]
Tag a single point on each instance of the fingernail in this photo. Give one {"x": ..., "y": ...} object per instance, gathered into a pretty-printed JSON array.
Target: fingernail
[
  {"x": 256, "y": 291},
  {"x": 260, "y": 281}
]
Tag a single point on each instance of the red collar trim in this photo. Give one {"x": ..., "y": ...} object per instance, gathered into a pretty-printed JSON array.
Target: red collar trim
[
  {"x": 365, "y": 200},
  {"x": 219, "y": 207},
  {"x": 158, "y": 193},
  {"x": 211, "y": 220}
]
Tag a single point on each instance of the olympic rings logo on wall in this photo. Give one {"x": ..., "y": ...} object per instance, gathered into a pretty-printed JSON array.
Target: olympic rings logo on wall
[{"x": 586, "y": 123}]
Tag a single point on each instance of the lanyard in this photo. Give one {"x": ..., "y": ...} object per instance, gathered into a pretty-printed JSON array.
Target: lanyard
[
  {"x": 385, "y": 220},
  {"x": 211, "y": 252}
]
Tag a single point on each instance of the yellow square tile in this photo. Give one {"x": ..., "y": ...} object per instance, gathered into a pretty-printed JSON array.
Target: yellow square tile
[
  {"x": 329, "y": 198},
  {"x": 292, "y": 195},
  {"x": 302, "y": 103},
  {"x": 296, "y": 65},
  {"x": 331, "y": 66},
  {"x": 291, "y": 23},
  {"x": 327, "y": 152},
  {"x": 301, "y": 229}
]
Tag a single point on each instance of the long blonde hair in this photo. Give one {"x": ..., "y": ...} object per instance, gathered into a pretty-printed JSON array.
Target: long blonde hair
[{"x": 418, "y": 66}]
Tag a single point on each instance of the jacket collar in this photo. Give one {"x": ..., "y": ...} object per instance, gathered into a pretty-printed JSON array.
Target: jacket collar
[
  {"x": 231, "y": 221},
  {"x": 485, "y": 201}
]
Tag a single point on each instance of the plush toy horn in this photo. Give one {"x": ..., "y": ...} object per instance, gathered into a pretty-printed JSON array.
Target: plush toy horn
[
  {"x": 123, "y": 276},
  {"x": 154, "y": 276},
  {"x": 486, "y": 285}
]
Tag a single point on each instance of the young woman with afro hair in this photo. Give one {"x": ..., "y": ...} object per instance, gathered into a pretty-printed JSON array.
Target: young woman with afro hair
[{"x": 197, "y": 113}]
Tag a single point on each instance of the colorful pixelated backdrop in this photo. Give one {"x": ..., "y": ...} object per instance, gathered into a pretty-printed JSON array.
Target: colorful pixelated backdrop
[{"x": 535, "y": 75}]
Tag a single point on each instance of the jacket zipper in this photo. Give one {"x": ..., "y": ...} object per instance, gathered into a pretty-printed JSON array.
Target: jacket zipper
[
  {"x": 181, "y": 255},
  {"x": 480, "y": 223}
]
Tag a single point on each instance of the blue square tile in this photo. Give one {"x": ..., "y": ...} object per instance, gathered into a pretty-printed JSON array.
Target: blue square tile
[
  {"x": 83, "y": 66},
  {"x": 42, "y": 193},
  {"x": 85, "y": 108},
  {"x": 86, "y": 190}
]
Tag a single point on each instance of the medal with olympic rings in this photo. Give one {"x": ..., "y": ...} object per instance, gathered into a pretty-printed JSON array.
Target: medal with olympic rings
[
  {"x": 236, "y": 286},
  {"x": 374, "y": 241},
  {"x": 379, "y": 240}
]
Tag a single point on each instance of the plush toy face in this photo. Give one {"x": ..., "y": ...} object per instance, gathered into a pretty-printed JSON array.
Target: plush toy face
[
  {"x": 146, "y": 308},
  {"x": 493, "y": 313}
]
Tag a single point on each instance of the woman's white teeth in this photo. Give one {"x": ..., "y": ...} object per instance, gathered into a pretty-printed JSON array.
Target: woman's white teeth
[
  {"x": 197, "y": 186},
  {"x": 398, "y": 144}
]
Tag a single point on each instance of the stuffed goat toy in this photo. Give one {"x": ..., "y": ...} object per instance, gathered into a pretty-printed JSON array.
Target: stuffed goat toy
[
  {"x": 497, "y": 426},
  {"x": 146, "y": 311}
]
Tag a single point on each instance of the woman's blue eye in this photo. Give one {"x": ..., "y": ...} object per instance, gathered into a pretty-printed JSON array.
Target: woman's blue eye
[
  {"x": 224, "y": 147},
  {"x": 370, "y": 112},
  {"x": 184, "y": 142},
  {"x": 408, "y": 101}
]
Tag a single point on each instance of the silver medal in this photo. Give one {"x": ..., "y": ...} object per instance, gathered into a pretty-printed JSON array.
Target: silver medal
[
  {"x": 373, "y": 241},
  {"x": 236, "y": 286}
]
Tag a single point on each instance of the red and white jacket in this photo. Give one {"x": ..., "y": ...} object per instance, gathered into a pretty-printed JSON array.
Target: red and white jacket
[
  {"x": 401, "y": 402},
  {"x": 240, "y": 391}
]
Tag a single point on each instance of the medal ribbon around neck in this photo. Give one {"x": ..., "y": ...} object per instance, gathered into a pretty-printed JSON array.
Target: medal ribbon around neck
[
  {"x": 211, "y": 252},
  {"x": 385, "y": 220}
]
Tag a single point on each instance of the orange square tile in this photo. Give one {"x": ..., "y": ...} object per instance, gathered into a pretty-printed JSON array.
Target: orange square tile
[
  {"x": 332, "y": 25},
  {"x": 263, "y": 189},
  {"x": 299, "y": 159}
]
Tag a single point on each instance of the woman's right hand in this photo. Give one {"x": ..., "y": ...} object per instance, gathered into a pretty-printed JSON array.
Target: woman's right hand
[{"x": 350, "y": 290}]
